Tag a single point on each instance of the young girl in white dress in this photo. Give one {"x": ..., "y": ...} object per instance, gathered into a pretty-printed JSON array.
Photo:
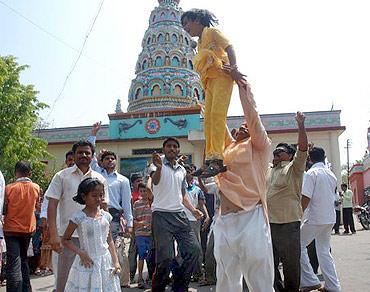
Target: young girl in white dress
[{"x": 96, "y": 265}]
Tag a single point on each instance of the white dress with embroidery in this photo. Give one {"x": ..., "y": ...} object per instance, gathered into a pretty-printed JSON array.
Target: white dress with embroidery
[{"x": 93, "y": 233}]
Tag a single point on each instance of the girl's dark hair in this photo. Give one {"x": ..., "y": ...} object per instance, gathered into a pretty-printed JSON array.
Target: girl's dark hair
[
  {"x": 141, "y": 186},
  {"x": 86, "y": 186},
  {"x": 204, "y": 16}
]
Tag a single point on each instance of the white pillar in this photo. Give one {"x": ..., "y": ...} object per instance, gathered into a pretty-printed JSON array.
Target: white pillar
[{"x": 334, "y": 158}]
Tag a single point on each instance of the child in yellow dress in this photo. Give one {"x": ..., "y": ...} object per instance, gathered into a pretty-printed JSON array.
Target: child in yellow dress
[{"x": 216, "y": 64}]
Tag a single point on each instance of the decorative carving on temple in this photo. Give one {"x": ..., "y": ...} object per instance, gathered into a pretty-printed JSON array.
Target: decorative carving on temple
[
  {"x": 180, "y": 123},
  {"x": 124, "y": 127}
]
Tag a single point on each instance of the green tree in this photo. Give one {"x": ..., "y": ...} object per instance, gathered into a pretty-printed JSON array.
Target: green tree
[{"x": 19, "y": 109}]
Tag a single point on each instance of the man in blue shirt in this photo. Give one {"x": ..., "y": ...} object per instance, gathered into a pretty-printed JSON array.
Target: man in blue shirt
[{"x": 119, "y": 205}]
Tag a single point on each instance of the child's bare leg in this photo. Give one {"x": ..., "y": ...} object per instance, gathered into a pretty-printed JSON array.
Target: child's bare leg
[{"x": 140, "y": 268}]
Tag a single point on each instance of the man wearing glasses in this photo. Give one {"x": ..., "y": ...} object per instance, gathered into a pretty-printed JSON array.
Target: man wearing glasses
[{"x": 284, "y": 184}]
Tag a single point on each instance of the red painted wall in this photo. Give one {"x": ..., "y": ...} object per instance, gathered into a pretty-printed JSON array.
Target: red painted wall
[{"x": 357, "y": 187}]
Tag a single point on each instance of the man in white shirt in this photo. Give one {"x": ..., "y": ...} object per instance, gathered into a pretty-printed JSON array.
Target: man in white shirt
[
  {"x": 69, "y": 161},
  {"x": 318, "y": 197},
  {"x": 169, "y": 221},
  {"x": 61, "y": 191}
]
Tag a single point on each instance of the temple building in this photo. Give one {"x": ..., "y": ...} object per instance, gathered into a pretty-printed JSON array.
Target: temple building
[{"x": 162, "y": 102}]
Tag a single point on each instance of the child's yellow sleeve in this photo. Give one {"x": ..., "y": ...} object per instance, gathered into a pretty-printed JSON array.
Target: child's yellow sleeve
[{"x": 219, "y": 38}]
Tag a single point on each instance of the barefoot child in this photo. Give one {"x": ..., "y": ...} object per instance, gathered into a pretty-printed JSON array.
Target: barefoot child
[
  {"x": 142, "y": 227},
  {"x": 96, "y": 267},
  {"x": 216, "y": 64}
]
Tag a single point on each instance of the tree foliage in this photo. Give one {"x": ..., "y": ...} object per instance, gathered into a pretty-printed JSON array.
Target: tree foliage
[{"x": 19, "y": 108}]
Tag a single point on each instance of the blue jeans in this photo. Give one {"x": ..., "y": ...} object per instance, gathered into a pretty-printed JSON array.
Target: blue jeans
[{"x": 17, "y": 270}]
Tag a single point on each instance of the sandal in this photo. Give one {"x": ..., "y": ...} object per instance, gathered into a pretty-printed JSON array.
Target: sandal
[
  {"x": 201, "y": 169},
  {"x": 215, "y": 167}
]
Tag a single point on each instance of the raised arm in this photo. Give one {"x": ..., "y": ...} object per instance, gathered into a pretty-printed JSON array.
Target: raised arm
[
  {"x": 92, "y": 139},
  {"x": 256, "y": 129},
  {"x": 302, "y": 135},
  {"x": 300, "y": 159},
  {"x": 157, "y": 161}
]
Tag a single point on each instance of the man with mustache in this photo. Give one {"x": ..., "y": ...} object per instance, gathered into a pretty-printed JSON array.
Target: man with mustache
[{"x": 62, "y": 189}]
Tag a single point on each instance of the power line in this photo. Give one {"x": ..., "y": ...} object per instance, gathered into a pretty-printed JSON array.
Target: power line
[
  {"x": 38, "y": 26},
  {"x": 55, "y": 37},
  {"x": 76, "y": 61},
  {"x": 58, "y": 39}
]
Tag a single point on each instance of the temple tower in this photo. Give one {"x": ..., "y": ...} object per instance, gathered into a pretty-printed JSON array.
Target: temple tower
[{"x": 165, "y": 78}]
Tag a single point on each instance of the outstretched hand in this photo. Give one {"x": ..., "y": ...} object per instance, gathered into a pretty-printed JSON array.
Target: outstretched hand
[
  {"x": 182, "y": 159},
  {"x": 95, "y": 128},
  {"x": 157, "y": 161},
  {"x": 300, "y": 118}
]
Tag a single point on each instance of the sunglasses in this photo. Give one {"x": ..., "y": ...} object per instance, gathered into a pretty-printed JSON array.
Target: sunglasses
[{"x": 278, "y": 151}]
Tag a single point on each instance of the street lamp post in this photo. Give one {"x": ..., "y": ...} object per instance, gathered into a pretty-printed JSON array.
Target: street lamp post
[{"x": 347, "y": 147}]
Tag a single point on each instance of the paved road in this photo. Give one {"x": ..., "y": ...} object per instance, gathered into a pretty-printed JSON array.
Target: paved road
[{"x": 351, "y": 254}]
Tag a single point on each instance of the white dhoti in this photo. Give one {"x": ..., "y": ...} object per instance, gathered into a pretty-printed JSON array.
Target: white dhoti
[
  {"x": 243, "y": 248},
  {"x": 54, "y": 263},
  {"x": 321, "y": 234}
]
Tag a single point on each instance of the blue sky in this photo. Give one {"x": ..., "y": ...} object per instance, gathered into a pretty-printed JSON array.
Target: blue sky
[{"x": 298, "y": 55}]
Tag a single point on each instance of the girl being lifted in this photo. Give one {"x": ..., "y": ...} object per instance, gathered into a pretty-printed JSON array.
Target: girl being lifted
[{"x": 216, "y": 64}]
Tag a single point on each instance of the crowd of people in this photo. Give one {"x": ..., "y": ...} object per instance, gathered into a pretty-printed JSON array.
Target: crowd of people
[
  {"x": 104, "y": 227},
  {"x": 231, "y": 223}
]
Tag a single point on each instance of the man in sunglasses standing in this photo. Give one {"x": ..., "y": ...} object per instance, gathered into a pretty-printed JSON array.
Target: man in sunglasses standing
[{"x": 284, "y": 184}]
